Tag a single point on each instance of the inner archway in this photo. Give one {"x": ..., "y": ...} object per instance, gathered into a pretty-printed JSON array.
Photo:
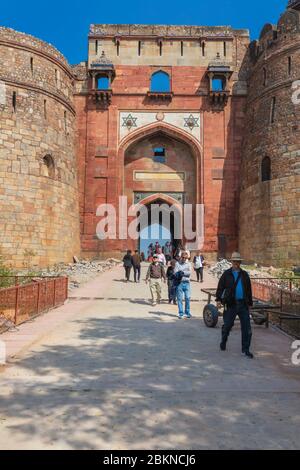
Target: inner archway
[
  {"x": 159, "y": 169},
  {"x": 162, "y": 226}
]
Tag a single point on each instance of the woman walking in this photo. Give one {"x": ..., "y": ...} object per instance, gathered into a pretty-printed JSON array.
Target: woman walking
[{"x": 198, "y": 266}]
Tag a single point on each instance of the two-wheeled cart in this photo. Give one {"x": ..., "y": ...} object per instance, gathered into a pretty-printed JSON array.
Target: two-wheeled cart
[{"x": 259, "y": 311}]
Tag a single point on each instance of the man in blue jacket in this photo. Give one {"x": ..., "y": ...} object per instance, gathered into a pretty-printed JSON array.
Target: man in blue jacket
[{"x": 234, "y": 291}]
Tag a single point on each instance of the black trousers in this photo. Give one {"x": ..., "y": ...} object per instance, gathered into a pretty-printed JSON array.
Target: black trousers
[
  {"x": 171, "y": 291},
  {"x": 241, "y": 310},
  {"x": 137, "y": 272},
  {"x": 199, "y": 272},
  {"x": 127, "y": 272}
]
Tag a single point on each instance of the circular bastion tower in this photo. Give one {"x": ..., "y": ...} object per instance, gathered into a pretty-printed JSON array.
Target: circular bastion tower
[
  {"x": 38, "y": 170},
  {"x": 270, "y": 191}
]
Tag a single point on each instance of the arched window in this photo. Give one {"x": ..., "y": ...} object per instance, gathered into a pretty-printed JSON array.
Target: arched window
[
  {"x": 102, "y": 83},
  {"x": 266, "y": 169},
  {"x": 48, "y": 166},
  {"x": 160, "y": 82}
]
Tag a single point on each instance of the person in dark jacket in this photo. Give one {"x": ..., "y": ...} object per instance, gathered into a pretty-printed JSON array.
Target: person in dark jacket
[
  {"x": 235, "y": 286},
  {"x": 171, "y": 283},
  {"x": 136, "y": 263},
  {"x": 127, "y": 263}
]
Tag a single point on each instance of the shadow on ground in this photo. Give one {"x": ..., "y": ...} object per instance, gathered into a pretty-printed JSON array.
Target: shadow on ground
[{"x": 145, "y": 383}]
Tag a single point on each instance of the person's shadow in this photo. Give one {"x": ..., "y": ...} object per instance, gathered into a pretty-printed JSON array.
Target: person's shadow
[
  {"x": 140, "y": 301},
  {"x": 164, "y": 314}
]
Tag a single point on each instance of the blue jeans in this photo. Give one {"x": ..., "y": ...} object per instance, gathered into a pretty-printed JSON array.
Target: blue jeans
[{"x": 184, "y": 289}]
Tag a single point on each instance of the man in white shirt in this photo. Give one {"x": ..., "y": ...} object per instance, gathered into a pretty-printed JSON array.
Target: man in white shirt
[{"x": 161, "y": 257}]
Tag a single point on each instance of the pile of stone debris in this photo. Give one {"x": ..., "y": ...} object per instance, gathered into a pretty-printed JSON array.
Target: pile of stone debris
[
  {"x": 81, "y": 271},
  {"x": 218, "y": 268},
  {"x": 267, "y": 275}
]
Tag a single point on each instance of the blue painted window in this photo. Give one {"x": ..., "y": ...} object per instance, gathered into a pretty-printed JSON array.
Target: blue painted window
[
  {"x": 159, "y": 155},
  {"x": 160, "y": 82},
  {"x": 102, "y": 83},
  {"x": 159, "y": 152},
  {"x": 217, "y": 84}
]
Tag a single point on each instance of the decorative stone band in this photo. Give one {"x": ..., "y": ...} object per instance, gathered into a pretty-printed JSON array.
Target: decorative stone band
[
  {"x": 156, "y": 175},
  {"x": 188, "y": 122}
]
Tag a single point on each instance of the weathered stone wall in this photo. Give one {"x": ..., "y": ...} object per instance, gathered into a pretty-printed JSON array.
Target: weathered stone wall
[
  {"x": 38, "y": 202},
  {"x": 163, "y": 45},
  {"x": 270, "y": 210}
]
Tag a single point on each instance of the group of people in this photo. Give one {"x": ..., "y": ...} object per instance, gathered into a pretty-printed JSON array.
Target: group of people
[
  {"x": 133, "y": 261},
  {"x": 233, "y": 292},
  {"x": 168, "y": 250},
  {"x": 178, "y": 277},
  {"x": 177, "y": 274}
]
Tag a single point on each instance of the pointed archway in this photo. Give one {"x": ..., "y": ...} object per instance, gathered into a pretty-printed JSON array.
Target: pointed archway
[
  {"x": 164, "y": 222},
  {"x": 160, "y": 164},
  {"x": 173, "y": 133}
]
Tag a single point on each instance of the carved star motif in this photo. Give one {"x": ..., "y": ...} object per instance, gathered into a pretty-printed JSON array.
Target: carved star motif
[
  {"x": 191, "y": 122},
  {"x": 129, "y": 122}
]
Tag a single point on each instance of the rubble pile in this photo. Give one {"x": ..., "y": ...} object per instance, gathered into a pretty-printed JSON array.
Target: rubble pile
[
  {"x": 266, "y": 275},
  {"x": 280, "y": 283},
  {"x": 218, "y": 268},
  {"x": 81, "y": 271}
]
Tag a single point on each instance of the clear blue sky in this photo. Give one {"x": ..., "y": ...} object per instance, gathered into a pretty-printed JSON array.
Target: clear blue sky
[{"x": 65, "y": 24}]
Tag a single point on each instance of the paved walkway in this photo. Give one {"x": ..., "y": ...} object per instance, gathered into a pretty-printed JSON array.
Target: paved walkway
[{"x": 109, "y": 371}]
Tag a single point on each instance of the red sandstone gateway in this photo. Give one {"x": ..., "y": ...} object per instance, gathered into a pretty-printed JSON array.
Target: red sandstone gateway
[{"x": 156, "y": 121}]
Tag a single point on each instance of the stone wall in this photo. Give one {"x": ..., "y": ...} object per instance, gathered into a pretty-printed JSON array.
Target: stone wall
[
  {"x": 270, "y": 210},
  {"x": 160, "y": 45},
  {"x": 38, "y": 170}
]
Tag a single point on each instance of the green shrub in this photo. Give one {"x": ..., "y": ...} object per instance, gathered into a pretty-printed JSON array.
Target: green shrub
[{"x": 5, "y": 271}]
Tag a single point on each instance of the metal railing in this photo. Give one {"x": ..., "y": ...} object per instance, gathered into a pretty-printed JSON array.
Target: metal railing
[
  {"x": 287, "y": 316},
  {"x": 22, "y": 302},
  {"x": 285, "y": 282}
]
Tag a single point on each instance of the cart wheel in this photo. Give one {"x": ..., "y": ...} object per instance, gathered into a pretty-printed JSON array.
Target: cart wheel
[
  {"x": 260, "y": 318},
  {"x": 210, "y": 315}
]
